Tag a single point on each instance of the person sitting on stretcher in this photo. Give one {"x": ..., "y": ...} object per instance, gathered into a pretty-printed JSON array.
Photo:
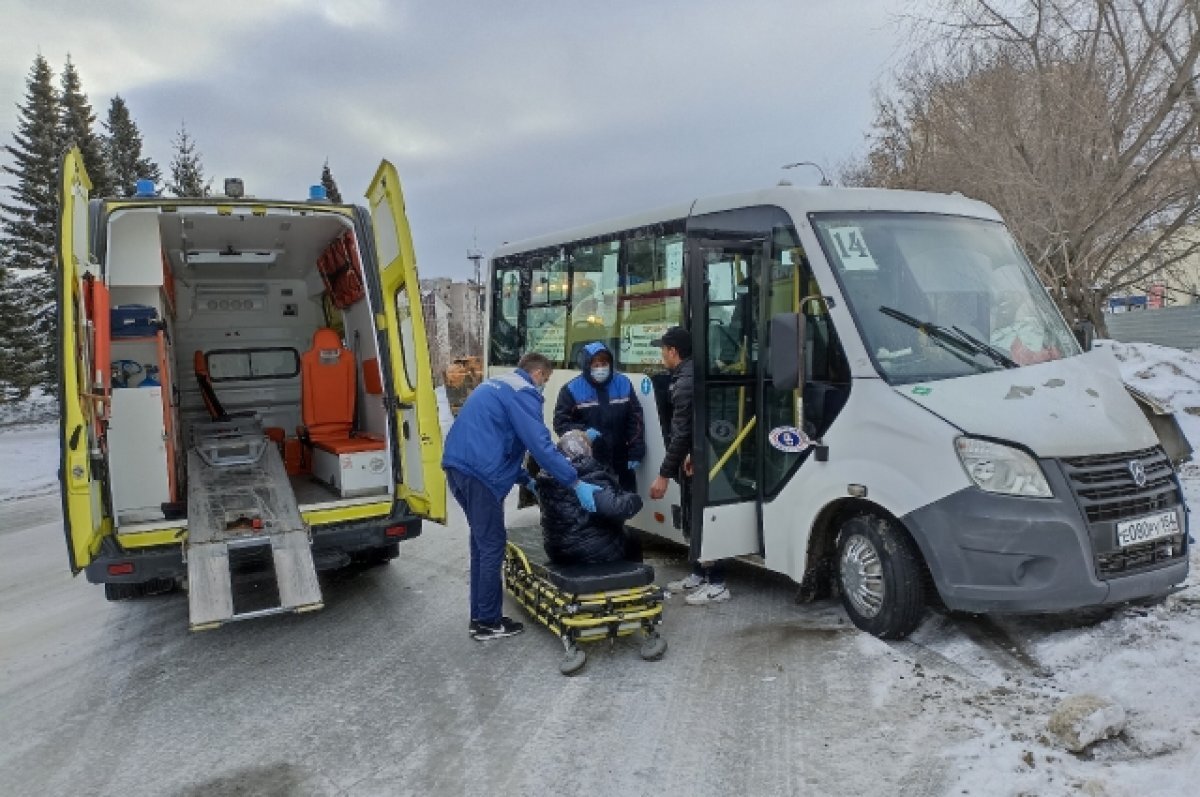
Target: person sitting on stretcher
[{"x": 570, "y": 533}]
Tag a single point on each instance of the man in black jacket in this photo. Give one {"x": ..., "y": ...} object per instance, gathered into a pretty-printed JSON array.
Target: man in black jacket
[
  {"x": 706, "y": 583},
  {"x": 570, "y": 533}
]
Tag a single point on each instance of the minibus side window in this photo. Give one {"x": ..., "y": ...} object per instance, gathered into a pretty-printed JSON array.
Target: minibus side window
[
  {"x": 506, "y": 307},
  {"x": 546, "y": 318},
  {"x": 595, "y": 272},
  {"x": 651, "y": 297}
]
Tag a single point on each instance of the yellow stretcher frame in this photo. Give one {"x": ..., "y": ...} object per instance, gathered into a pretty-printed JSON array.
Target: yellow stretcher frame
[{"x": 586, "y": 617}]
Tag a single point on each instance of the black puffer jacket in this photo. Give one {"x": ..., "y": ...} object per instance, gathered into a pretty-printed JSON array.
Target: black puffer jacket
[
  {"x": 679, "y": 436},
  {"x": 570, "y": 533}
]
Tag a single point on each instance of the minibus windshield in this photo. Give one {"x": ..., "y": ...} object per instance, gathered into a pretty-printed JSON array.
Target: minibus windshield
[{"x": 937, "y": 297}]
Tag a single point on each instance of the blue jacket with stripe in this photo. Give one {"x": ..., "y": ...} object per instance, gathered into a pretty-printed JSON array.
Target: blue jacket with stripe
[
  {"x": 500, "y": 421},
  {"x": 611, "y": 408}
]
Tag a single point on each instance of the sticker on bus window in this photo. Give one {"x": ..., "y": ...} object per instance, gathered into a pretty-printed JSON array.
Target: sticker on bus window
[
  {"x": 635, "y": 343},
  {"x": 789, "y": 439},
  {"x": 674, "y": 269},
  {"x": 852, "y": 249}
]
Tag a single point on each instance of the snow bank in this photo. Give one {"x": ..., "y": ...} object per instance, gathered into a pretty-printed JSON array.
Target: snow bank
[
  {"x": 1169, "y": 375},
  {"x": 1141, "y": 663},
  {"x": 38, "y": 408},
  {"x": 28, "y": 460}
]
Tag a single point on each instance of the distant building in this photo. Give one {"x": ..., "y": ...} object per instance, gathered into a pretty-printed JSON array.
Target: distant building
[
  {"x": 453, "y": 320},
  {"x": 1175, "y": 286}
]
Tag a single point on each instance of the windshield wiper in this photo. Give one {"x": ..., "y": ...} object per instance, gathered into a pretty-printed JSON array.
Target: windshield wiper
[
  {"x": 953, "y": 337},
  {"x": 988, "y": 349}
]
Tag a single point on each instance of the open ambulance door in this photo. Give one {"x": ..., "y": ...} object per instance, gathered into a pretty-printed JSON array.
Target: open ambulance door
[
  {"x": 422, "y": 482},
  {"x": 84, "y": 519}
]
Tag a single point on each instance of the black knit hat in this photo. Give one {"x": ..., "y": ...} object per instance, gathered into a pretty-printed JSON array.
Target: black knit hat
[{"x": 678, "y": 339}]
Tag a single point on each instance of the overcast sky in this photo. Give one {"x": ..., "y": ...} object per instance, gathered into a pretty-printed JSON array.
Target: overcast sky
[{"x": 504, "y": 119}]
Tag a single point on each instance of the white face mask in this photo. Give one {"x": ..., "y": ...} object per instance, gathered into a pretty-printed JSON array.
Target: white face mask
[{"x": 601, "y": 373}]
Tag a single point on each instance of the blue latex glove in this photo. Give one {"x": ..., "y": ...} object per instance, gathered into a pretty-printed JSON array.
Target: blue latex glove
[
  {"x": 531, "y": 486},
  {"x": 592, "y": 434},
  {"x": 586, "y": 493},
  {"x": 633, "y": 464}
]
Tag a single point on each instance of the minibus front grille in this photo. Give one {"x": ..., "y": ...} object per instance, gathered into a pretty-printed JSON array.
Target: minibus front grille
[
  {"x": 1108, "y": 488},
  {"x": 1114, "y": 487},
  {"x": 1136, "y": 557}
]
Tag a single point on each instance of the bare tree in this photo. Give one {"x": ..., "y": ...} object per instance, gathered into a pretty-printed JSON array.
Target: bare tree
[{"x": 1077, "y": 119}]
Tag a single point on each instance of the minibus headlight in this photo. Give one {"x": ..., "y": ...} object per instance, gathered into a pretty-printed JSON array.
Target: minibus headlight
[{"x": 1001, "y": 469}]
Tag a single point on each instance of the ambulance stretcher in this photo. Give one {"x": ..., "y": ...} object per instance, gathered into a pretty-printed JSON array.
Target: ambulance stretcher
[{"x": 584, "y": 603}]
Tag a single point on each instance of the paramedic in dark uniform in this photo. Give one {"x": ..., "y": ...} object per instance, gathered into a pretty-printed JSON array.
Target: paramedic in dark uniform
[
  {"x": 500, "y": 421},
  {"x": 706, "y": 583},
  {"x": 601, "y": 403}
]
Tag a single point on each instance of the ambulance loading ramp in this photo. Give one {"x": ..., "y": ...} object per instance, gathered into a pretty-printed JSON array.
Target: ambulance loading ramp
[{"x": 240, "y": 503}]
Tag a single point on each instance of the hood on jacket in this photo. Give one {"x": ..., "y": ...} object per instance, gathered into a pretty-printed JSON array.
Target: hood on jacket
[{"x": 588, "y": 353}]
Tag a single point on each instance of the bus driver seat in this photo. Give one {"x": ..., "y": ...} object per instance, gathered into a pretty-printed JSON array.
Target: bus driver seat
[{"x": 328, "y": 390}]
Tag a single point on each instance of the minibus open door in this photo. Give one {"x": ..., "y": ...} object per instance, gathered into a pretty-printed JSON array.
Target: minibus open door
[
  {"x": 726, "y": 485},
  {"x": 401, "y": 327},
  {"x": 84, "y": 518},
  {"x": 749, "y": 438}
]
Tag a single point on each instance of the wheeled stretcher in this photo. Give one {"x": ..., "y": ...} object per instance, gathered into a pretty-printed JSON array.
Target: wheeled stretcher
[{"x": 584, "y": 603}]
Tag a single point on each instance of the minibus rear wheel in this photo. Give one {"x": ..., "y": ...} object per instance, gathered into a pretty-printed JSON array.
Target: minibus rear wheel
[{"x": 879, "y": 576}]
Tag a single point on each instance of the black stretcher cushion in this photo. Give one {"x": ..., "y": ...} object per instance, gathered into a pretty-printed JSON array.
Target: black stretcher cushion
[
  {"x": 584, "y": 579},
  {"x": 579, "y": 579}
]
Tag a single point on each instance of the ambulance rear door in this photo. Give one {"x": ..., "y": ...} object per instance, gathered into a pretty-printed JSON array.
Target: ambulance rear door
[
  {"x": 84, "y": 518},
  {"x": 422, "y": 483}
]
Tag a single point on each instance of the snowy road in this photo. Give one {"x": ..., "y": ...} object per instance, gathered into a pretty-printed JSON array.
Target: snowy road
[{"x": 383, "y": 693}]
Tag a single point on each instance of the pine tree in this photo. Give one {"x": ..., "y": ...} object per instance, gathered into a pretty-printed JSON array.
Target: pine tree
[
  {"x": 78, "y": 123},
  {"x": 18, "y": 369},
  {"x": 30, "y": 225},
  {"x": 331, "y": 189},
  {"x": 187, "y": 171},
  {"x": 123, "y": 151},
  {"x": 29, "y": 221}
]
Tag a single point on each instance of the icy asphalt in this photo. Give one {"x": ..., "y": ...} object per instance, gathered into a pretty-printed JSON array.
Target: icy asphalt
[{"x": 384, "y": 693}]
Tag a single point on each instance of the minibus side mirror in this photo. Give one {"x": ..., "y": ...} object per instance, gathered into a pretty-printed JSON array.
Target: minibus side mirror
[
  {"x": 787, "y": 350},
  {"x": 1085, "y": 332}
]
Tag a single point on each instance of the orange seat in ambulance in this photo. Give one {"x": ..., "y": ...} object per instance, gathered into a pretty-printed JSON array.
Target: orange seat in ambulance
[{"x": 329, "y": 385}]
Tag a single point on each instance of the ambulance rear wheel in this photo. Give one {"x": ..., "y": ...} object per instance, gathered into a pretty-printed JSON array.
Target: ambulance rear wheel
[
  {"x": 573, "y": 662},
  {"x": 879, "y": 576},
  {"x": 653, "y": 648}
]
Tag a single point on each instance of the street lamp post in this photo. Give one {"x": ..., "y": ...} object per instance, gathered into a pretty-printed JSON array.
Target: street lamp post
[
  {"x": 475, "y": 255},
  {"x": 824, "y": 179}
]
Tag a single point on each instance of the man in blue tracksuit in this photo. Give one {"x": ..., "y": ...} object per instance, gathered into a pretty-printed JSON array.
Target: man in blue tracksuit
[
  {"x": 601, "y": 402},
  {"x": 500, "y": 421}
]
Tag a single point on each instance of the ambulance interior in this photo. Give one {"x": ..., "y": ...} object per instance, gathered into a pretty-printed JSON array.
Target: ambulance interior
[{"x": 236, "y": 320}]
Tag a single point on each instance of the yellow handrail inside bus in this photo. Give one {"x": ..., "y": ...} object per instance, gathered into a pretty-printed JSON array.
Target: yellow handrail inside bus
[{"x": 734, "y": 446}]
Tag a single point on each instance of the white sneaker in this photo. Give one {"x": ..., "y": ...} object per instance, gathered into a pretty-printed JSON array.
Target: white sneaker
[
  {"x": 686, "y": 584},
  {"x": 709, "y": 593}
]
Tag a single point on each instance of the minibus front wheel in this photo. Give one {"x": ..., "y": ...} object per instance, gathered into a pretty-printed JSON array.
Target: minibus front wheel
[{"x": 879, "y": 576}]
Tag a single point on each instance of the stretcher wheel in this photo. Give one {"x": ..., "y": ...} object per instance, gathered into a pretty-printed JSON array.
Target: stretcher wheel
[
  {"x": 654, "y": 647},
  {"x": 572, "y": 662}
]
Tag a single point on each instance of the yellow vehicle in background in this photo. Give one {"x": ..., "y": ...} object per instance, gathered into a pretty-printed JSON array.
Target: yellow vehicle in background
[{"x": 460, "y": 377}]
